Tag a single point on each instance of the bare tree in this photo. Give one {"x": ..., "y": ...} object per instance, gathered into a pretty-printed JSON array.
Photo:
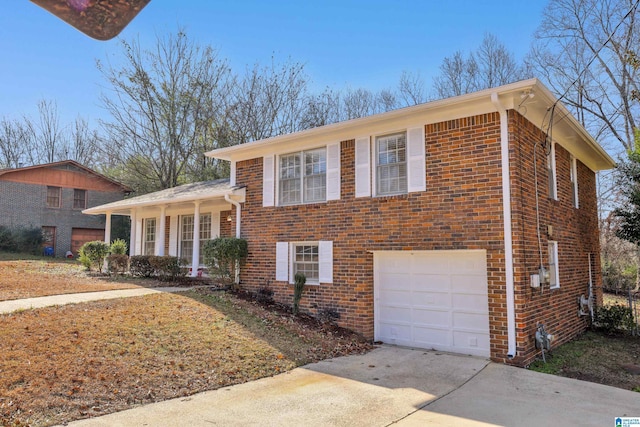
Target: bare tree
[
  {"x": 582, "y": 50},
  {"x": 162, "y": 105},
  {"x": 490, "y": 65},
  {"x": 411, "y": 90},
  {"x": 321, "y": 109},
  {"x": 46, "y": 134},
  {"x": 267, "y": 101},
  {"x": 83, "y": 143},
  {"x": 15, "y": 144}
]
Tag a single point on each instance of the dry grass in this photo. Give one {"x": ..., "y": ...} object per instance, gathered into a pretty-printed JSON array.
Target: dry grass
[
  {"x": 24, "y": 279},
  {"x": 70, "y": 362}
]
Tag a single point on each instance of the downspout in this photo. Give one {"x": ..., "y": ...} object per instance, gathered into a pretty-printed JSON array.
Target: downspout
[
  {"x": 238, "y": 210},
  {"x": 508, "y": 237}
]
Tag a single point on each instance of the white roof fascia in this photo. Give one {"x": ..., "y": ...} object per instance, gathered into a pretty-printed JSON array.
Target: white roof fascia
[
  {"x": 121, "y": 206},
  {"x": 566, "y": 131}
]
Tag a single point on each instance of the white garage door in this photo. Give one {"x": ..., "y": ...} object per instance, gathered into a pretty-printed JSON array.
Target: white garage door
[{"x": 432, "y": 299}]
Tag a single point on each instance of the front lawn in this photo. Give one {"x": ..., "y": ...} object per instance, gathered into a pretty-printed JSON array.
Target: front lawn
[{"x": 69, "y": 362}]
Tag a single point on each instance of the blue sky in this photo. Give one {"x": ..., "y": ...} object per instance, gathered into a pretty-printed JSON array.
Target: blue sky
[{"x": 348, "y": 43}]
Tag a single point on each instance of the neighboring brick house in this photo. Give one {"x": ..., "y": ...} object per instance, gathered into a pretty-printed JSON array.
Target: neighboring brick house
[
  {"x": 425, "y": 226},
  {"x": 52, "y": 196}
]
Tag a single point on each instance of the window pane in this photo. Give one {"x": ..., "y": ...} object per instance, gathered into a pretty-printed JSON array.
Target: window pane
[
  {"x": 79, "y": 199},
  {"x": 392, "y": 166},
  {"x": 149, "y": 236},
  {"x": 306, "y": 261},
  {"x": 53, "y": 197}
]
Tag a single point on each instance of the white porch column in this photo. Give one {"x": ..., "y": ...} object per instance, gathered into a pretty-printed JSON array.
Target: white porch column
[
  {"x": 195, "y": 262},
  {"x": 107, "y": 229},
  {"x": 132, "y": 234},
  {"x": 163, "y": 223}
]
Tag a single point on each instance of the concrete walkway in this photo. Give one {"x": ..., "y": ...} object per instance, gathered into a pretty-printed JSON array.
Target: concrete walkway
[
  {"x": 39, "y": 302},
  {"x": 390, "y": 386}
]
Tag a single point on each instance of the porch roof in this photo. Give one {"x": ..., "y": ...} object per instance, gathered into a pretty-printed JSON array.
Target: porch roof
[{"x": 197, "y": 191}]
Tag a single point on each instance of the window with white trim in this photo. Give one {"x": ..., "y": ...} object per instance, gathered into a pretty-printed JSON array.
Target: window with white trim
[
  {"x": 306, "y": 261},
  {"x": 574, "y": 182},
  {"x": 313, "y": 259},
  {"x": 149, "y": 237},
  {"x": 391, "y": 164},
  {"x": 186, "y": 235},
  {"x": 554, "y": 272},
  {"x": 302, "y": 177},
  {"x": 551, "y": 172}
]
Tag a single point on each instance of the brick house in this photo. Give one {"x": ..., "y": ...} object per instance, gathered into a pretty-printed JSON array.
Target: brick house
[
  {"x": 52, "y": 196},
  {"x": 459, "y": 224}
]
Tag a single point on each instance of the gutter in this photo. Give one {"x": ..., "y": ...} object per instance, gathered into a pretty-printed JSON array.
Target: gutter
[
  {"x": 238, "y": 211},
  {"x": 508, "y": 233}
]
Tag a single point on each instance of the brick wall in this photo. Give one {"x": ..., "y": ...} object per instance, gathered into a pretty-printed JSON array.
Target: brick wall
[
  {"x": 460, "y": 209},
  {"x": 24, "y": 205},
  {"x": 575, "y": 230}
]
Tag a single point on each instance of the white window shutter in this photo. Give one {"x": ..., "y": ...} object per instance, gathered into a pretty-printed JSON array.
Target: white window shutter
[
  {"x": 215, "y": 224},
  {"x": 138, "y": 248},
  {"x": 282, "y": 261},
  {"x": 333, "y": 171},
  {"x": 325, "y": 266},
  {"x": 416, "y": 160},
  {"x": 173, "y": 235},
  {"x": 363, "y": 167},
  {"x": 268, "y": 181}
]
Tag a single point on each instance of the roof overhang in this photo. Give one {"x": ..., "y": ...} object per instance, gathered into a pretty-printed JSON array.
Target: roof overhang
[
  {"x": 186, "y": 194},
  {"x": 515, "y": 96}
]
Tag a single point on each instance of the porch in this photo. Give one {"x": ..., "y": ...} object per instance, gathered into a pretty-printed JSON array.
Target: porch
[{"x": 177, "y": 221}]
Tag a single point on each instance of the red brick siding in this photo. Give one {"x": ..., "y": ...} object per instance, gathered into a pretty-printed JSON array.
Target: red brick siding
[
  {"x": 460, "y": 209},
  {"x": 575, "y": 230}
]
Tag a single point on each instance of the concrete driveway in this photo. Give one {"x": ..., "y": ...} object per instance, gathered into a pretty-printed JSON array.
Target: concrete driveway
[{"x": 393, "y": 386}]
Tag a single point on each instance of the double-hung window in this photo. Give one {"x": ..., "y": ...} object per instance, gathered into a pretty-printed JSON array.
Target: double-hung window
[
  {"x": 53, "y": 197},
  {"x": 391, "y": 164},
  {"x": 79, "y": 199},
  {"x": 303, "y": 177},
  {"x": 187, "y": 234},
  {"x": 306, "y": 261},
  {"x": 574, "y": 182},
  {"x": 149, "y": 236},
  {"x": 554, "y": 272},
  {"x": 551, "y": 172}
]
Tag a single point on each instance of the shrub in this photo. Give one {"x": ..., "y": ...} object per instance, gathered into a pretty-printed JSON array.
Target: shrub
[
  {"x": 167, "y": 267},
  {"x": 329, "y": 315},
  {"x": 24, "y": 240},
  {"x": 140, "y": 266},
  {"x": 222, "y": 254},
  {"x": 118, "y": 247},
  {"x": 614, "y": 318},
  {"x": 92, "y": 254},
  {"x": 118, "y": 263},
  {"x": 7, "y": 240},
  {"x": 163, "y": 267},
  {"x": 265, "y": 295},
  {"x": 298, "y": 287}
]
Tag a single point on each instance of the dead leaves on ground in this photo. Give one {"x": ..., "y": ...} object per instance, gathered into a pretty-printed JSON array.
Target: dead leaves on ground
[{"x": 76, "y": 361}]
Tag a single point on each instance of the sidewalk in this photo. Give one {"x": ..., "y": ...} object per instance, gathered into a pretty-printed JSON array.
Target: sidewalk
[{"x": 39, "y": 302}]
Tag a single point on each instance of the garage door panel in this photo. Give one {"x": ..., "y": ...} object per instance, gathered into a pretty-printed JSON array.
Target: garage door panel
[
  {"x": 430, "y": 282},
  {"x": 470, "y": 342},
  {"x": 396, "y": 333},
  {"x": 436, "y": 338},
  {"x": 473, "y": 321},
  {"x": 396, "y": 313},
  {"x": 421, "y": 317},
  {"x": 430, "y": 299},
  {"x": 395, "y": 297},
  {"x": 467, "y": 284},
  {"x": 470, "y": 302},
  {"x": 433, "y": 299}
]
